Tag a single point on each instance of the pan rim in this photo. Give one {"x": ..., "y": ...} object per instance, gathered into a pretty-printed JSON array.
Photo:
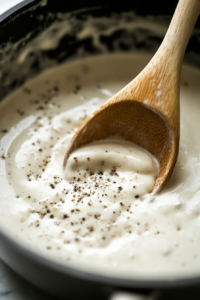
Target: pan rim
[{"x": 52, "y": 265}]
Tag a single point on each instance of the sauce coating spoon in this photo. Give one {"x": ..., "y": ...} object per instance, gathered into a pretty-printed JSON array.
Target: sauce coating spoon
[{"x": 146, "y": 111}]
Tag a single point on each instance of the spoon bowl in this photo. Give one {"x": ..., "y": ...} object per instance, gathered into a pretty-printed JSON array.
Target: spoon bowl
[{"x": 146, "y": 111}]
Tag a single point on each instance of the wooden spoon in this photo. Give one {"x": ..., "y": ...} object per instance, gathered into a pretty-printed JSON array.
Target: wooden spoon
[{"x": 146, "y": 111}]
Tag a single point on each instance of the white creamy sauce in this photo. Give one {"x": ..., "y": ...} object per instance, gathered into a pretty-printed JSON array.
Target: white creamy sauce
[
  {"x": 96, "y": 215},
  {"x": 116, "y": 161}
]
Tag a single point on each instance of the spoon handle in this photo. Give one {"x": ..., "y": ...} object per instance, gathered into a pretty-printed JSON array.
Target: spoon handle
[{"x": 176, "y": 39}]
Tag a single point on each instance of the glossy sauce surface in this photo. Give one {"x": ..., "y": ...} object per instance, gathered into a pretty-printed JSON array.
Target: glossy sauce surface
[{"x": 100, "y": 220}]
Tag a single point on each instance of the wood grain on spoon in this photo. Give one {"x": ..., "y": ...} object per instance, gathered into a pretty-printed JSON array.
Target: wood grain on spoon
[{"x": 146, "y": 111}]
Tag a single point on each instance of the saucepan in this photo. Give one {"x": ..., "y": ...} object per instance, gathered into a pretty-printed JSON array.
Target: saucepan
[{"x": 84, "y": 33}]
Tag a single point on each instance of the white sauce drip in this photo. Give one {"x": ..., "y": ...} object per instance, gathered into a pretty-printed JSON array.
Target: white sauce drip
[{"x": 124, "y": 236}]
